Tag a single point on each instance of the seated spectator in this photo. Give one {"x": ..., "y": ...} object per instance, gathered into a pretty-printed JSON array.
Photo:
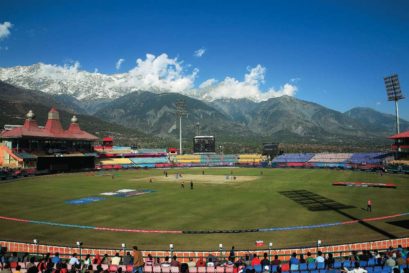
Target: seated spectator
[
  {"x": 13, "y": 258},
  {"x": 319, "y": 258},
  {"x": 32, "y": 269},
  {"x": 294, "y": 262},
  {"x": 166, "y": 263},
  {"x": 247, "y": 260},
  {"x": 265, "y": 261},
  {"x": 74, "y": 260},
  {"x": 97, "y": 259},
  {"x": 50, "y": 268},
  {"x": 127, "y": 259},
  {"x": 357, "y": 269},
  {"x": 149, "y": 260},
  {"x": 302, "y": 260},
  {"x": 157, "y": 261},
  {"x": 42, "y": 265},
  {"x": 116, "y": 260},
  {"x": 390, "y": 262},
  {"x": 87, "y": 261},
  {"x": 200, "y": 262},
  {"x": 255, "y": 261},
  {"x": 309, "y": 259},
  {"x": 105, "y": 259},
  {"x": 210, "y": 263},
  {"x": 31, "y": 263},
  {"x": 191, "y": 263},
  {"x": 56, "y": 259},
  {"x": 276, "y": 261},
  {"x": 99, "y": 269},
  {"x": 399, "y": 260},
  {"x": 329, "y": 261},
  {"x": 175, "y": 262}
]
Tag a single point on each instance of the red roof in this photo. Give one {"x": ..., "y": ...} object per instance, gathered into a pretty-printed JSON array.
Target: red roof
[
  {"x": 400, "y": 135},
  {"x": 53, "y": 129}
]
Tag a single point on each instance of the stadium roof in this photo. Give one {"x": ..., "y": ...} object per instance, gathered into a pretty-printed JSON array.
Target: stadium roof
[
  {"x": 400, "y": 135},
  {"x": 52, "y": 130}
]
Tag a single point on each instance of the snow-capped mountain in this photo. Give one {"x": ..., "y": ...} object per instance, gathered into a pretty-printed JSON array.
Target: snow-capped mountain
[{"x": 83, "y": 85}]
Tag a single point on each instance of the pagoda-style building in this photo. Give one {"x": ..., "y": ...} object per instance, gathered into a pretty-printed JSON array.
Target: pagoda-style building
[{"x": 49, "y": 147}]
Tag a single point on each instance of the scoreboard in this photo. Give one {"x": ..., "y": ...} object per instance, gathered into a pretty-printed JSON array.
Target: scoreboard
[{"x": 204, "y": 144}]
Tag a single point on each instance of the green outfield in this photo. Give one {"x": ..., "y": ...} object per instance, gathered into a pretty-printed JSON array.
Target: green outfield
[{"x": 273, "y": 198}]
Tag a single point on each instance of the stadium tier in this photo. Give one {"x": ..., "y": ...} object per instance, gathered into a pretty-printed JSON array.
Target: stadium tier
[{"x": 250, "y": 159}]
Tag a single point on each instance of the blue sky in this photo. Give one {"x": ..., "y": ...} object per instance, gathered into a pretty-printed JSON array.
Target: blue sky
[{"x": 336, "y": 53}]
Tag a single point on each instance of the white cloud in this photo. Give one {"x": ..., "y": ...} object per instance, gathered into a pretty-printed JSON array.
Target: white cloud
[
  {"x": 378, "y": 103},
  {"x": 248, "y": 88},
  {"x": 200, "y": 52},
  {"x": 158, "y": 74},
  {"x": 5, "y": 30},
  {"x": 119, "y": 63}
]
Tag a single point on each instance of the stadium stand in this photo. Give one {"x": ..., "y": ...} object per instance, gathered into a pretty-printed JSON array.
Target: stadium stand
[{"x": 250, "y": 159}]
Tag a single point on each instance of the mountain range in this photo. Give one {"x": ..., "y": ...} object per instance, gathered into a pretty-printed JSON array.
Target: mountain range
[{"x": 106, "y": 101}]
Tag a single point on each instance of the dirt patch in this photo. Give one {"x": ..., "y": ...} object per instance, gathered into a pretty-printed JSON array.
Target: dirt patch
[{"x": 197, "y": 178}]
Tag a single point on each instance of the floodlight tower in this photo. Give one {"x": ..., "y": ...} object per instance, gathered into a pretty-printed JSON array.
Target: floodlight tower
[
  {"x": 180, "y": 112},
  {"x": 394, "y": 93}
]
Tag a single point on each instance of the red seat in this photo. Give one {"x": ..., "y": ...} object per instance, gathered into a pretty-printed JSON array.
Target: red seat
[
  {"x": 113, "y": 268},
  {"x": 13, "y": 264},
  {"x": 147, "y": 269},
  {"x": 157, "y": 269},
  {"x": 129, "y": 268},
  {"x": 285, "y": 267},
  {"x": 192, "y": 269},
  {"x": 220, "y": 269}
]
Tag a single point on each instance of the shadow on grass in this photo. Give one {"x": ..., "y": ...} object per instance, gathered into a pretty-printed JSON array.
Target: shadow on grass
[{"x": 316, "y": 202}]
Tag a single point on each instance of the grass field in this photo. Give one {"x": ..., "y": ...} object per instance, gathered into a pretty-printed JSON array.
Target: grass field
[{"x": 253, "y": 200}]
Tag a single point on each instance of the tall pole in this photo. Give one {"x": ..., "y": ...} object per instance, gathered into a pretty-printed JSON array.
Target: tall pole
[
  {"x": 397, "y": 117},
  {"x": 180, "y": 135}
]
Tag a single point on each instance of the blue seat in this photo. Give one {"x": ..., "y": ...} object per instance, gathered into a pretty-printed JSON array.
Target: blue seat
[
  {"x": 304, "y": 271},
  {"x": 323, "y": 271},
  {"x": 372, "y": 262},
  {"x": 258, "y": 268},
  {"x": 377, "y": 268},
  {"x": 274, "y": 268},
  {"x": 321, "y": 266},
  {"x": 311, "y": 266},
  {"x": 370, "y": 269},
  {"x": 337, "y": 265},
  {"x": 363, "y": 263},
  {"x": 347, "y": 264},
  {"x": 303, "y": 266},
  {"x": 387, "y": 268},
  {"x": 403, "y": 266},
  {"x": 294, "y": 267},
  {"x": 314, "y": 271}
]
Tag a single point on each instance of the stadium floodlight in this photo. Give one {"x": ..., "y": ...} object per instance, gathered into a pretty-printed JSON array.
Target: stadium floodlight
[
  {"x": 171, "y": 250},
  {"x": 180, "y": 112},
  {"x": 35, "y": 241},
  {"x": 395, "y": 94},
  {"x": 270, "y": 245},
  {"x": 221, "y": 249},
  {"x": 123, "y": 245},
  {"x": 319, "y": 243},
  {"x": 79, "y": 244}
]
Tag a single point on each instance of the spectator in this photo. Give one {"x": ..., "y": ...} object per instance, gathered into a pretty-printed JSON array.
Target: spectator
[
  {"x": 175, "y": 262},
  {"x": 127, "y": 259},
  {"x": 276, "y": 261},
  {"x": 89, "y": 269},
  {"x": 310, "y": 259},
  {"x": 13, "y": 258},
  {"x": 255, "y": 261},
  {"x": 357, "y": 269},
  {"x": 247, "y": 260},
  {"x": 56, "y": 259},
  {"x": 390, "y": 262},
  {"x": 266, "y": 269},
  {"x": 329, "y": 262},
  {"x": 74, "y": 260},
  {"x": 294, "y": 262},
  {"x": 166, "y": 263},
  {"x": 50, "y": 268},
  {"x": 32, "y": 269},
  {"x": 302, "y": 260},
  {"x": 138, "y": 262},
  {"x": 116, "y": 260},
  {"x": 157, "y": 261},
  {"x": 31, "y": 263},
  {"x": 149, "y": 260},
  {"x": 232, "y": 253},
  {"x": 200, "y": 262},
  {"x": 42, "y": 265},
  {"x": 97, "y": 260},
  {"x": 265, "y": 261},
  {"x": 87, "y": 261},
  {"x": 319, "y": 258},
  {"x": 99, "y": 269},
  {"x": 191, "y": 263},
  {"x": 210, "y": 263},
  {"x": 399, "y": 260},
  {"x": 105, "y": 259}
]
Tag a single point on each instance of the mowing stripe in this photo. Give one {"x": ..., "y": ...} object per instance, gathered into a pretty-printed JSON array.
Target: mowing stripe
[{"x": 204, "y": 231}]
